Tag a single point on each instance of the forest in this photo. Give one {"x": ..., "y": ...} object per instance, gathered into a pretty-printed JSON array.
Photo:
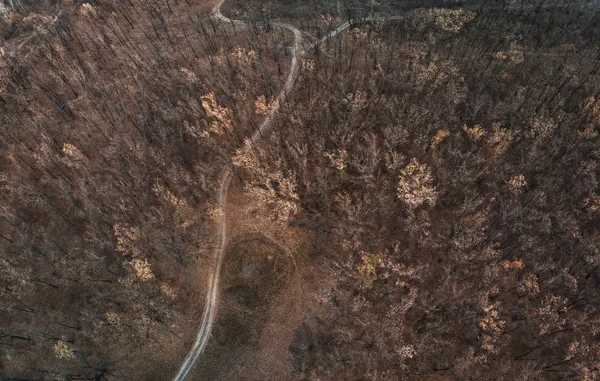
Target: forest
[{"x": 419, "y": 189}]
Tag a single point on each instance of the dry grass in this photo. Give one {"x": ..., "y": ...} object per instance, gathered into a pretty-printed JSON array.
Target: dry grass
[{"x": 268, "y": 289}]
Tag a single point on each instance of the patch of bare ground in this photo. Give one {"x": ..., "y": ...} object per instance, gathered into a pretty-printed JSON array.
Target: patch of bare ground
[{"x": 269, "y": 285}]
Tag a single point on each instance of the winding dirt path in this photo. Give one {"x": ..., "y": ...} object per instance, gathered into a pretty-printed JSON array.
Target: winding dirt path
[{"x": 213, "y": 284}]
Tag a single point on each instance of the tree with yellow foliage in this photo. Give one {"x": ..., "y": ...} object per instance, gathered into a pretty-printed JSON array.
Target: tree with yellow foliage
[{"x": 415, "y": 185}]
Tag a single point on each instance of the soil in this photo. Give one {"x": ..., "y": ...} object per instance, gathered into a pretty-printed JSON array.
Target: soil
[
  {"x": 269, "y": 286},
  {"x": 255, "y": 271}
]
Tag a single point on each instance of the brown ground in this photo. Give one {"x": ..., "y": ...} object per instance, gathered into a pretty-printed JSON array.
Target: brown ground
[{"x": 268, "y": 289}]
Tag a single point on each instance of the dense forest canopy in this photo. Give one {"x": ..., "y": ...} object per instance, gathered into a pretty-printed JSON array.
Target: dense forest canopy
[{"x": 440, "y": 156}]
